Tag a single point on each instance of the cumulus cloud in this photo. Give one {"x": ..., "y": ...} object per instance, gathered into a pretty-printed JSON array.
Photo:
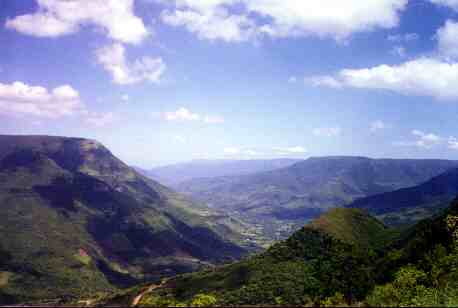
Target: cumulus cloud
[
  {"x": 447, "y": 37},
  {"x": 123, "y": 72},
  {"x": 324, "y": 81},
  {"x": 422, "y": 77},
  {"x": 426, "y": 140},
  {"x": 212, "y": 25},
  {"x": 435, "y": 76},
  {"x": 377, "y": 125},
  {"x": 20, "y": 99},
  {"x": 422, "y": 140},
  {"x": 183, "y": 114},
  {"x": 55, "y": 18},
  {"x": 452, "y": 143},
  {"x": 327, "y": 132},
  {"x": 449, "y": 3},
  {"x": 283, "y": 18}
]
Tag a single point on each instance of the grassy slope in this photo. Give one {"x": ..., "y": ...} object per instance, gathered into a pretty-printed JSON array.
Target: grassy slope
[{"x": 355, "y": 227}]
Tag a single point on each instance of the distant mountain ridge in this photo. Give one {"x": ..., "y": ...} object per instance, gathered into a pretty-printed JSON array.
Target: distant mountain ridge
[
  {"x": 75, "y": 220},
  {"x": 408, "y": 205},
  {"x": 174, "y": 174},
  {"x": 285, "y": 197}
]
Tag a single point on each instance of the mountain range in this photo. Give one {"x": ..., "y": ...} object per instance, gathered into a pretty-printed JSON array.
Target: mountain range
[
  {"x": 407, "y": 205},
  {"x": 172, "y": 175},
  {"x": 77, "y": 220},
  {"x": 78, "y": 223},
  {"x": 278, "y": 202}
]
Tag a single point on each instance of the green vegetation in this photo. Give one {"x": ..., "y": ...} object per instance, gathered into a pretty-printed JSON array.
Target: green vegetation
[
  {"x": 79, "y": 223},
  {"x": 355, "y": 227},
  {"x": 311, "y": 267},
  {"x": 328, "y": 264}
]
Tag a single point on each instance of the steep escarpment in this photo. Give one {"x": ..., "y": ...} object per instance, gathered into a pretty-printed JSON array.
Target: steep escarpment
[{"x": 77, "y": 220}]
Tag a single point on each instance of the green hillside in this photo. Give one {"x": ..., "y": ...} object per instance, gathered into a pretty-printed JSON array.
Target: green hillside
[
  {"x": 328, "y": 264},
  {"x": 77, "y": 221},
  {"x": 355, "y": 227},
  {"x": 309, "y": 267}
]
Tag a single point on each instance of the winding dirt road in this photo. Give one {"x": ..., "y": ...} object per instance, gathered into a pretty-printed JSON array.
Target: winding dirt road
[{"x": 150, "y": 289}]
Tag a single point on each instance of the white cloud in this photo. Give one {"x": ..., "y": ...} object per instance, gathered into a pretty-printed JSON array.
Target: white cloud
[
  {"x": 213, "y": 119},
  {"x": 249, "y": 152},
  {"x": 323, "y": 81},
  {"x": 212, "y": 25},
  {"x": 61, "y": 17},
  {"x": 231, "y": 151},
  {"x": 447, "y": 37},
  {"x": 450, "y": 3},
  {"x": 452, "y": 143},
  {"x": 179, "y": 139},
  {"x": 100, "y": 119},
  {"x": 333, "y": 18},
  {"x": 296, "y": 150},
  {"x": 125, "y": 98},
  {"x": 426, "y": 140},
  {"x": 327, "y": 132},
  {"x": 422, "y": 140},
  {"x": 241, "y": 152},
  {"x": 407, "y": 37},
  {"x": 283, "y": 18},
  {"x": 377, "y": 125},
  {"x": 183, "y": 114},
  {"x": 292, "y": 79},
  {"x": 113, "y": 59},
  {"x": 252, "y": 153},
  {"x": 398, "y": 51},
  {"x": 423, "y": 77},
  {"x": 435, "y": 76},
  {"x": 20, "y": 99}
]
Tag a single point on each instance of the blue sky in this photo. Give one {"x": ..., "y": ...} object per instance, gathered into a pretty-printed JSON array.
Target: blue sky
[{"x": 162, "y": 81}]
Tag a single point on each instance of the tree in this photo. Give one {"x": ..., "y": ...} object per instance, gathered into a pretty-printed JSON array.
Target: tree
[{"x": 203, "y": 300}]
